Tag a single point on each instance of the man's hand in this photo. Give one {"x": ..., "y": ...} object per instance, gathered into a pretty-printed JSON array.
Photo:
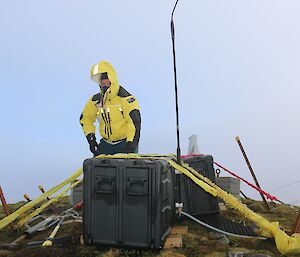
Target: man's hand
[{"x": 91, "y": 138}]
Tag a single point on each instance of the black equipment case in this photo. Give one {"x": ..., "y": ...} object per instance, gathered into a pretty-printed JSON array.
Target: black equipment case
[
  {"x": 195, "y": 200},
  {"x": 127, "y": 202}
]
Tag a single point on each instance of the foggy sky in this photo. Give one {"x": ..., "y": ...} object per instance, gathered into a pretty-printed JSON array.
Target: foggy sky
[{"x": 238, "y": 74}]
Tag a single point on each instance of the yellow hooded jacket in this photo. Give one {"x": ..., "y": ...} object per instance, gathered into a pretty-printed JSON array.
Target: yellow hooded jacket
[{"x": 117, "y": 110}]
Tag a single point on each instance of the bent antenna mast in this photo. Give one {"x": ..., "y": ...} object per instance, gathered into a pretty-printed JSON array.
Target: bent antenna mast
[{"x": 175, "y": 78}]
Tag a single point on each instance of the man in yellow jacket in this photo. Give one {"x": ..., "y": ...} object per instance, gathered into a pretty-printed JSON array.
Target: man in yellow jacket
[{"x": 117, "y": 111}]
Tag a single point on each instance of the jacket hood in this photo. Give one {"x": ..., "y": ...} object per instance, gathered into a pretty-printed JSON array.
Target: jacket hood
[{"x": 103, "y": 67}]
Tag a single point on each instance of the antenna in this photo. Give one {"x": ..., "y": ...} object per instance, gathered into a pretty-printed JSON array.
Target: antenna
[{"x": 175, "y": 78}]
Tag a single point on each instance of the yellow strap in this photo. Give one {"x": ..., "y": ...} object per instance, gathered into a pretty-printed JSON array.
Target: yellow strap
[
  {"x": 23, "y": 220},
  {"x": 284, "y": 243},
  {"x": 9, "y": 219},
  {"x": 199, "y": 182}
]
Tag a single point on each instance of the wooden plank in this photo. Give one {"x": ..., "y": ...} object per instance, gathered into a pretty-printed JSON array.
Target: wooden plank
[
  {"x": 179, "y": 230},
  {"x": 173, "y": 241},
  {"x": 81, "y": 239}
]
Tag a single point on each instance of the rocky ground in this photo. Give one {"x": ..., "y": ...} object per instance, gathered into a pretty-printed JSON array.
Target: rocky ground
[{"x": 197, "y": 242}]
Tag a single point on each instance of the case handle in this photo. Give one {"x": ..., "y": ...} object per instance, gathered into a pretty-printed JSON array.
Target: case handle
[
  {"x": 137, "y": 186},
  {"x": 105, "y": 185}
]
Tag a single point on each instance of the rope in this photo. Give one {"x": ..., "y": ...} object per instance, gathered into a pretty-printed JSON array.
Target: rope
[
  {"x": 284, "y": 186},
  {"x": 269, "y": 196}
]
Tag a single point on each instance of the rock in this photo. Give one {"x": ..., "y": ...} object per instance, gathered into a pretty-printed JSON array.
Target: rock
[
  {"x": 259, "y": 255},
  {"x": 238, "y": 254},
  {"x": 215, "y": 235},
  {"x": 224, "y": 240},
  {"x": 246, "y": 254}
]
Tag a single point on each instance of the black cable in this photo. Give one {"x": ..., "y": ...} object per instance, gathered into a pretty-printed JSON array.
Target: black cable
[{"x": 284, "y": 186}]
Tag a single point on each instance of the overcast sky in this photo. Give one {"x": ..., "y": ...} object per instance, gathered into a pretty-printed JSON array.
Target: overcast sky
[{"x": 238, "y": 74}]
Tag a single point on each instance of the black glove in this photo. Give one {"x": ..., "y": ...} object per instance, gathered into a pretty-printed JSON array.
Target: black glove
[
  {"x": 130, "y": 147},
  {"x": 91, "y": 138}
]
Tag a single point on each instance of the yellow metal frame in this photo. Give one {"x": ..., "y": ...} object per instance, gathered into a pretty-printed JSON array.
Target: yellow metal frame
[
  {"x": 28, "y": 217},
  {"x": 12, "y": 217}
]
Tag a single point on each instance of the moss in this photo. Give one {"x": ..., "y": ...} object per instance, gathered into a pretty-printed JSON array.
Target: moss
[
  {"x": 5, "y": 253},
  {"x": 196, "y": 243},
  {"x": 111, "y": 253},
  {"x": 171, "y": 253},
  {"x": 136, "y": 252}
]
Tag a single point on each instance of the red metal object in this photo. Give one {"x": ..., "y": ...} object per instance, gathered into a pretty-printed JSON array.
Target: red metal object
[
  {"x": 271, "y": 197},
  {"x": 4, "y": 204},
  {"x": 78, "y": 206},
  {"x": 261, "y": 191},
  {"x": 191, "y": 155}
]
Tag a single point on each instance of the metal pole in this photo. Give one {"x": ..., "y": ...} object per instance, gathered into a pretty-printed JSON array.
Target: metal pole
[
  {"x": 4, "y": 204},
  {"x": 243, "y": 194},
  {"x": 178, "y": 177},
  {"x": 54, "y": 208},
  {"x": 296, "y": 226},
  {"x": 176, "y": 92},
  {"x": 251, "y": 171}
]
